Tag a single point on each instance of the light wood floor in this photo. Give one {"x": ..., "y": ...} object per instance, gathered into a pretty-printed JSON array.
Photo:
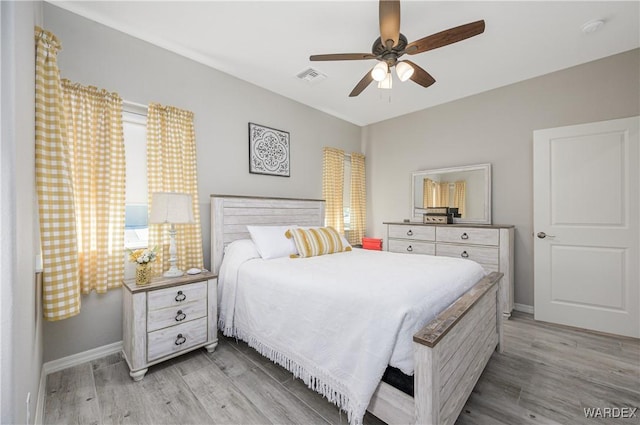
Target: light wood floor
[{"x": 546, "y": 375}]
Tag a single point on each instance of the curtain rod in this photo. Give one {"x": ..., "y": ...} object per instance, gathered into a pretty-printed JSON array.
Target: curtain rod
[
  {"x": 349, "y": 154},
  {"x": 134, "y": 108}
]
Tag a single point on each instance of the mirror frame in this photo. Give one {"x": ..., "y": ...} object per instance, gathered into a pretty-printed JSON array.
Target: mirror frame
[{"x": 487, "y": 191}]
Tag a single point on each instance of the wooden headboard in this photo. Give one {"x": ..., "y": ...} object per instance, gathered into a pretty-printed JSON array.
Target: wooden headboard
[{"x": 230, "y": 216}]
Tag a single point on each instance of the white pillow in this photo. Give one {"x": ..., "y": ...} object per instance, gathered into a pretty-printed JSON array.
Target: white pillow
[
  {"x": 235, "y": 254},
  {"x": 271, "y": 241},
  {"x": 243, "y": 248},
  {"x": 345, "y": 242}
]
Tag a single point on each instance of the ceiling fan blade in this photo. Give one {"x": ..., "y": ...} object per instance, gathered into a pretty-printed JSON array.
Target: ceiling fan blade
[
  {"x": 420, "y": 76},
  {"x": 342, "y": 57},
  {"x": 446, "y": 37},
  {"x": 362, "y": 84},
  {"x": 389, "y": 22}
]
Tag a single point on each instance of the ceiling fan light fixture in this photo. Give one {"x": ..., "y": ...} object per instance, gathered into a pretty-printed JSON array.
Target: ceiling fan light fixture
[
  {"x": 380, "y": 71},
  {"x": 404, "y": 71},
  {"x": 387, "y": 82}
]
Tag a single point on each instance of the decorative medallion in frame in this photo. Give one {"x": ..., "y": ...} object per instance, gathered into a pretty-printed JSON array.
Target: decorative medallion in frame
[{"x": 268, "y": 151}]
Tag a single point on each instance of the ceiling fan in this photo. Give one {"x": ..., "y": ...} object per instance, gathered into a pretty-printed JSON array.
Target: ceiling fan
[{"x": 391, "y": 45}]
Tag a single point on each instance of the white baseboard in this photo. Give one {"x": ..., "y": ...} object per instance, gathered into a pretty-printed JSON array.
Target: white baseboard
[
  {"x": 79, "y": 358},
  {"x": 66, "y": 362},
  {"x": 525, "y": 308}
]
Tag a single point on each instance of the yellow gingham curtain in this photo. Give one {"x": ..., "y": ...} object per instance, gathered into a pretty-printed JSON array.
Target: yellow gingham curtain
[
  {"x": 427, "y": 193},
  {"x": 358, "y": 208},
  {"x": 459, "y": 197},
  {"x": 442, "y": 194},
  {"x": 60, "y": 289},
  {"x": 332, "y": 187},
  {"x": 171, "y": 167},
  {"x": 96, "y": 148}
]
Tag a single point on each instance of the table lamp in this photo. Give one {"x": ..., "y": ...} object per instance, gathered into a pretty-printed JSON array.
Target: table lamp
[{"x": 174, "y": 208}]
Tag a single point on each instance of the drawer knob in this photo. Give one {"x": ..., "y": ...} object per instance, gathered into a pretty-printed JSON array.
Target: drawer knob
[
  {"x": 410, "y": 233},
  {"x": 409, "y": 248},
  {"x": 180, "y": 297},
  {"x": 180, "y": 339},
  {"x": 464, "y": 236},
  {"x": 464, "y": 254},
  {"x": 180, "y": 316}
]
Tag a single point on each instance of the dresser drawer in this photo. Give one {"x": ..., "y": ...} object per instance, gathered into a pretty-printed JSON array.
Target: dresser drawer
[
  {"x": 171, "y": 340},
  {"x": 424, "y": 233},
  {"x": 176, "y": 296},
  {"x": 468, "y": 235},
  {"x": 412, "y": 247},
  {"x": 479, "y": 254},
  {"x": 170, "y": 316}
]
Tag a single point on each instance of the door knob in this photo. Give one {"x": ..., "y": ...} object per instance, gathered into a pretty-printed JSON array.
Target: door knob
[{"x": 543, "y": 235}]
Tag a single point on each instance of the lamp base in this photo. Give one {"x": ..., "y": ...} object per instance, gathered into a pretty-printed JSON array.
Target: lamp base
[{"x": 173, "y": 272}]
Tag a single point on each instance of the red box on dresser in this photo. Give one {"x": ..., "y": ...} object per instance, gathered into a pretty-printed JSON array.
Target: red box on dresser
[{"x": 372, "y": 243}]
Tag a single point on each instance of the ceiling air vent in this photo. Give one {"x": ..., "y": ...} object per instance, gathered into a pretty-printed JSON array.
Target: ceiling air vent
[{"x": 311, "y": 75}]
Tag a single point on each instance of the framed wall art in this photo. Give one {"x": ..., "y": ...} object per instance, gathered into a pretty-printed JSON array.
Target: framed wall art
[{"x": 268, "y": 151}]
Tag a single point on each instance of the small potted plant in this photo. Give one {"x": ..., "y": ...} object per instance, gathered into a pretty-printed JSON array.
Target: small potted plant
[{"x": 143, "y": 259}]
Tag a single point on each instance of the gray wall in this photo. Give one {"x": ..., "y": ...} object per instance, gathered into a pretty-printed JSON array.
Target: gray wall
[
  {"x": 223, "y": 107},
  {"x": 21, "y": 337},
  {"x": 496, "y": 127}
]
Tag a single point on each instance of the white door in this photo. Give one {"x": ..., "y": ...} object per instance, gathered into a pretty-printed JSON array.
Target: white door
[{"x": 586, "y": 190}]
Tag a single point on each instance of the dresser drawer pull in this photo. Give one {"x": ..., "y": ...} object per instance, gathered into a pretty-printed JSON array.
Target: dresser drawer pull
[
  {"x": 464, "y": 236},
  {"x": 409, "y": 248},
  {"x": 180, "y": 339},
  {"x": 410, "y": 233},
  {"x": 180, "y": 316},
  {"x": 464, "y": 254},
  {"x": 180, "y": 297}
]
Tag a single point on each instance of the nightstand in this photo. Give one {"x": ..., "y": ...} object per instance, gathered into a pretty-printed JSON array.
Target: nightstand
[{"x": 167, "y": 318}]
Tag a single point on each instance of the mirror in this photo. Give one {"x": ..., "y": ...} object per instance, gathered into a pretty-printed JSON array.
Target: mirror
[{"x": 466, "y": 188}]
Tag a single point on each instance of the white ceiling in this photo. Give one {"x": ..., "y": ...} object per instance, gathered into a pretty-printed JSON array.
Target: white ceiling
[{"x": 268, "y": 43}]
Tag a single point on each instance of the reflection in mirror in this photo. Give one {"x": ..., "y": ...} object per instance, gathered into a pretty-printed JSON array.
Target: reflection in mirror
[{"x": 466, "y": 188}]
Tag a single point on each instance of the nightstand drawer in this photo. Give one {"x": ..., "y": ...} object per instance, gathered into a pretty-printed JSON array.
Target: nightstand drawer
[
  {"x": 468, "y": 235},
  {"x": 479, "y": 254},
  {"x": 424, "y": 233},
  {"x": 412, "y": 247},
  {"x": 162, "y": 318},
  {"x": 177, "y": 295},
  {"x": 176, "y": 338}
]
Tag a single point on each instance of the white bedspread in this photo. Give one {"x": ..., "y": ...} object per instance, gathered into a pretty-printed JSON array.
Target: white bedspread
[{"x": 336, "y": 321}]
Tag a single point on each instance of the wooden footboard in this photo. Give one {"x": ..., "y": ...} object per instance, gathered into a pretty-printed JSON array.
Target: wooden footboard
[{"x": 450, "y": 354}]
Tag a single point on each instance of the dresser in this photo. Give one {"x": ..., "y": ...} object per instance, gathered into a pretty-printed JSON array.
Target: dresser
[
  {"x": 489, "y": 245},
  {"x": 167, "y": 318}
]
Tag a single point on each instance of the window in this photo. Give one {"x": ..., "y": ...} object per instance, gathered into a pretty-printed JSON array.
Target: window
[{"x": 136, "y": 230}]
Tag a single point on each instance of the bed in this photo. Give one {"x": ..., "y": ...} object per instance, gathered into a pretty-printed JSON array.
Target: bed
[{"x": 448, "y": 352}]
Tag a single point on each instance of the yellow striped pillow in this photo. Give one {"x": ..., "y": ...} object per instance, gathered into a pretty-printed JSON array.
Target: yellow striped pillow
[{"x": 316, "y": 241}]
